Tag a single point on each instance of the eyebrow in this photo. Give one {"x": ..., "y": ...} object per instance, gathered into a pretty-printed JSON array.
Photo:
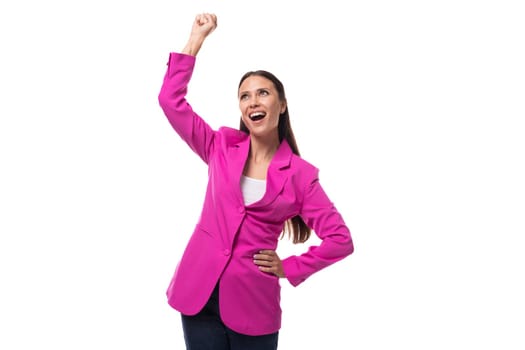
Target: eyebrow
[{"x": 259, "y": 89}]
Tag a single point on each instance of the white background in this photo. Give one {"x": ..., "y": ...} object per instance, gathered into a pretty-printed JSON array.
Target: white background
[{"x": 413, "y": 111}]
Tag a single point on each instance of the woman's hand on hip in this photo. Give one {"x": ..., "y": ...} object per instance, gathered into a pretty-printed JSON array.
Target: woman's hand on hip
[{"x": 268, "y": 261}]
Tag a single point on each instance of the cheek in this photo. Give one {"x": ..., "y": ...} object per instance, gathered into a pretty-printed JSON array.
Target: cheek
[
  {"x": 277, "y": 115},
  {"x": 245, "y": 120},
  {"x": 241, "y": 109},
  {"x": 242, "y": 105}
]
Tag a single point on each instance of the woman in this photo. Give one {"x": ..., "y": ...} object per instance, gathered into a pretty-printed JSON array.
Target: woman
[{"x": 226, "y": 285}]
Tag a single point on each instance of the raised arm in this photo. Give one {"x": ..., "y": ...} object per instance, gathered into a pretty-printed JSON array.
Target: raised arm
[{"x": 172, "y": 97}]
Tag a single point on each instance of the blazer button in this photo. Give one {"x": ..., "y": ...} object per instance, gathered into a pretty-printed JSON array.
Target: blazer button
[
  {"x": 226, "y": 252},
  {"x": 241, "y": 210}
]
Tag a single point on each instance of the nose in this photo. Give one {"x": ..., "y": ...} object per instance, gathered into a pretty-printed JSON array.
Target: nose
[{"x": 254, "y": 101}]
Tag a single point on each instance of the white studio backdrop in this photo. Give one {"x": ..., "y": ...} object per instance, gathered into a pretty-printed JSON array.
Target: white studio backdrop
[{"x": 412, "y": 110}]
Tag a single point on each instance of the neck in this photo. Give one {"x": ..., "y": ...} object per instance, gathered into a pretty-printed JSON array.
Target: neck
[{"x": 263, "y": 150}]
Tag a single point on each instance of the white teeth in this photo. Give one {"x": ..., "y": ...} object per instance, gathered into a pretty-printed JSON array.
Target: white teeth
[{"x": 257, "y": 116}]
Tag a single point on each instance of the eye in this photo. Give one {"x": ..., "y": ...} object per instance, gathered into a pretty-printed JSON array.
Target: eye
[
  {"x": 243, "y": 97},
  {"x": 264, "y": 93}
]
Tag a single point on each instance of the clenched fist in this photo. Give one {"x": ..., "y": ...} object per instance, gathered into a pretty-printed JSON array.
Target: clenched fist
[{"x": 204, "y": 24}]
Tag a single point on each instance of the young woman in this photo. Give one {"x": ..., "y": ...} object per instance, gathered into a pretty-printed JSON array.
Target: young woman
[{"x": 226, "y": 285}]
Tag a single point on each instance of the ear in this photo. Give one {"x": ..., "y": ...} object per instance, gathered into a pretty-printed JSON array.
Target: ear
[{"x": 283, "y": 106}]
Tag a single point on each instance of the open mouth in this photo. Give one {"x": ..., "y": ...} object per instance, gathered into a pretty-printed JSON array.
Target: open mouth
[{"x": 257, "y": 116}]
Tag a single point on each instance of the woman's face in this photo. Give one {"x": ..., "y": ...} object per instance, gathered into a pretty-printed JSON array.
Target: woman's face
[{"x": 260, "y": 105}]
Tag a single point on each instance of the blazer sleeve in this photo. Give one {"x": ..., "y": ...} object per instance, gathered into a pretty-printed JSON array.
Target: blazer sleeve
[
  {"x": 320, "y": 214},
  {"x": 172, "y": 99}
]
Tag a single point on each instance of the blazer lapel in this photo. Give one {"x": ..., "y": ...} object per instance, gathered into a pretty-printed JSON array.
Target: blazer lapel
[
  {"x": 277, "y": 174},
  {"x": 238, "y": 157}
]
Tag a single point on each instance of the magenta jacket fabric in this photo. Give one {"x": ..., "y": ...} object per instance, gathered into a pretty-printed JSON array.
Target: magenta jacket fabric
[{"x": 229, "y": 233}]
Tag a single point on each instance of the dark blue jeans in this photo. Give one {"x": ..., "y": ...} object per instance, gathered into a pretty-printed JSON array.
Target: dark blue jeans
[{"x": 206, "y": 331}]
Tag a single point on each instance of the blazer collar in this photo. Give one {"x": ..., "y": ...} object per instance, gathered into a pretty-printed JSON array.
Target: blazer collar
[
  {"x": 276, "y": 176},
  {"x": 281, "y": 158}
]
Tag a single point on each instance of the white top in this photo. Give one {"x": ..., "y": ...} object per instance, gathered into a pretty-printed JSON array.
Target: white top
[{"x": 252, "y": 189}]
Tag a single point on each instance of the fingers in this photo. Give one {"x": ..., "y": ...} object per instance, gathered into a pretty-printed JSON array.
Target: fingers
[
  {"x": 269, "y": 261},
  {"x": 265, "y": 258},
  {"x": 267, "y": 252},
  {"x": 210, "y": 17},
  {"x": 206, "y": 18}
]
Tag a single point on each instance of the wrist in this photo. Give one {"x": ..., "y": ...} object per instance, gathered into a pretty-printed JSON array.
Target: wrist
[{"x": 193, "y": 45}]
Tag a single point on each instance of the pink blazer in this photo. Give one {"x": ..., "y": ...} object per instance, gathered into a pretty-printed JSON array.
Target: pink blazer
[{"x": 229, "y": 232}]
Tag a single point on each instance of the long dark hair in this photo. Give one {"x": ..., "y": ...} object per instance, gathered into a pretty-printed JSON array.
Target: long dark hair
[{"x": 295, "y": 227}]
